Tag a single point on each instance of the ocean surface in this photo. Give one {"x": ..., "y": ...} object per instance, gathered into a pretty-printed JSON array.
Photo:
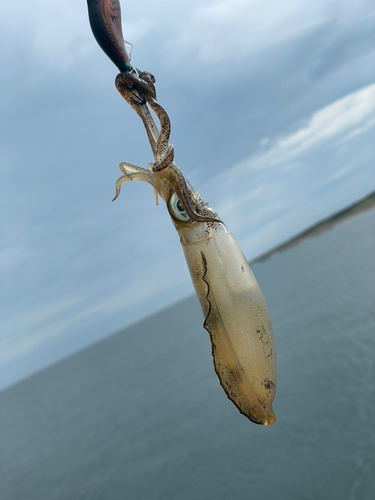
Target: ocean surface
[{"x": 141, "y": 415}]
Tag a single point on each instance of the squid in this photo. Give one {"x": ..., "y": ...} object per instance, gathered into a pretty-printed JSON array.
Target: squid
[{"x": 235, "y": 313}]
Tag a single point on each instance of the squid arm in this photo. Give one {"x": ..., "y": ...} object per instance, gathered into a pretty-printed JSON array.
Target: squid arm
[{"x": 234, "y": 309}]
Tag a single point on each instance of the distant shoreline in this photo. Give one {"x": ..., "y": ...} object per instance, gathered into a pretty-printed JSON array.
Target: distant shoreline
[{"x": 356, "y": 208}]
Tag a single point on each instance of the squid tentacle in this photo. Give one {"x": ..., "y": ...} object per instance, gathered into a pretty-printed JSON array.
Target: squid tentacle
[
  {"x": 163, "y": 147},
  {"x": 138, "y": 174},
  {"x": 165, "y": 161},
  {"x": 125, "y": 166}
]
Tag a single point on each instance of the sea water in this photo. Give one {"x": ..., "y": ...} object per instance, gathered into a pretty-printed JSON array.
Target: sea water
[{"x": 141, "y": 415}]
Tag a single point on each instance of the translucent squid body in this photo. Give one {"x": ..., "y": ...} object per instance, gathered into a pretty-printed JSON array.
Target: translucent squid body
[{"x": 234, "y": 309}]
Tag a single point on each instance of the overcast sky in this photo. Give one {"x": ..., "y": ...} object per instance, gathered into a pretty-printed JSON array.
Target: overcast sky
[{"x": 272, "y": 107}]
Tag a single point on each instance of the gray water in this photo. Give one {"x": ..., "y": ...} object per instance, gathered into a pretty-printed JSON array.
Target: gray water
[{"x": 141, "y": 415}]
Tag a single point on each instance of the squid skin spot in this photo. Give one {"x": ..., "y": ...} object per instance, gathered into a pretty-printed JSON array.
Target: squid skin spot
[
  {"x": 268, "y": 384},
  {"x": 262, "y": 332}
]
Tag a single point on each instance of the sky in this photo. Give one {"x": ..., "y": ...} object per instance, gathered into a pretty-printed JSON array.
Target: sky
[{"x": 272, "y": 109}]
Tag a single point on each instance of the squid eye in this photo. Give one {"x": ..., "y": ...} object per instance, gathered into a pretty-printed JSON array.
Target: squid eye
[{"x": 176, "y": 208}]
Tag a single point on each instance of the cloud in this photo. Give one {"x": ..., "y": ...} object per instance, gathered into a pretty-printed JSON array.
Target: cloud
[
  {"x": 46, "y": 314},
  {"x": 287, "y": 171},
  {"x": 337, "y": 175},
  {"x": 352, "y": 114},
  {"x": 54, "y": 32},
  {"x": 220, "y": 34},
  {"x": 140, "y": 294},
  {"x": 343, "y": 119},
  {"x": 234, "y": 28}
]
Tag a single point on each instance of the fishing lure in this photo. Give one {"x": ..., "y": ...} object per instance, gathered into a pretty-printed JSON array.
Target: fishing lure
[{"x": 234, "y": 309}]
